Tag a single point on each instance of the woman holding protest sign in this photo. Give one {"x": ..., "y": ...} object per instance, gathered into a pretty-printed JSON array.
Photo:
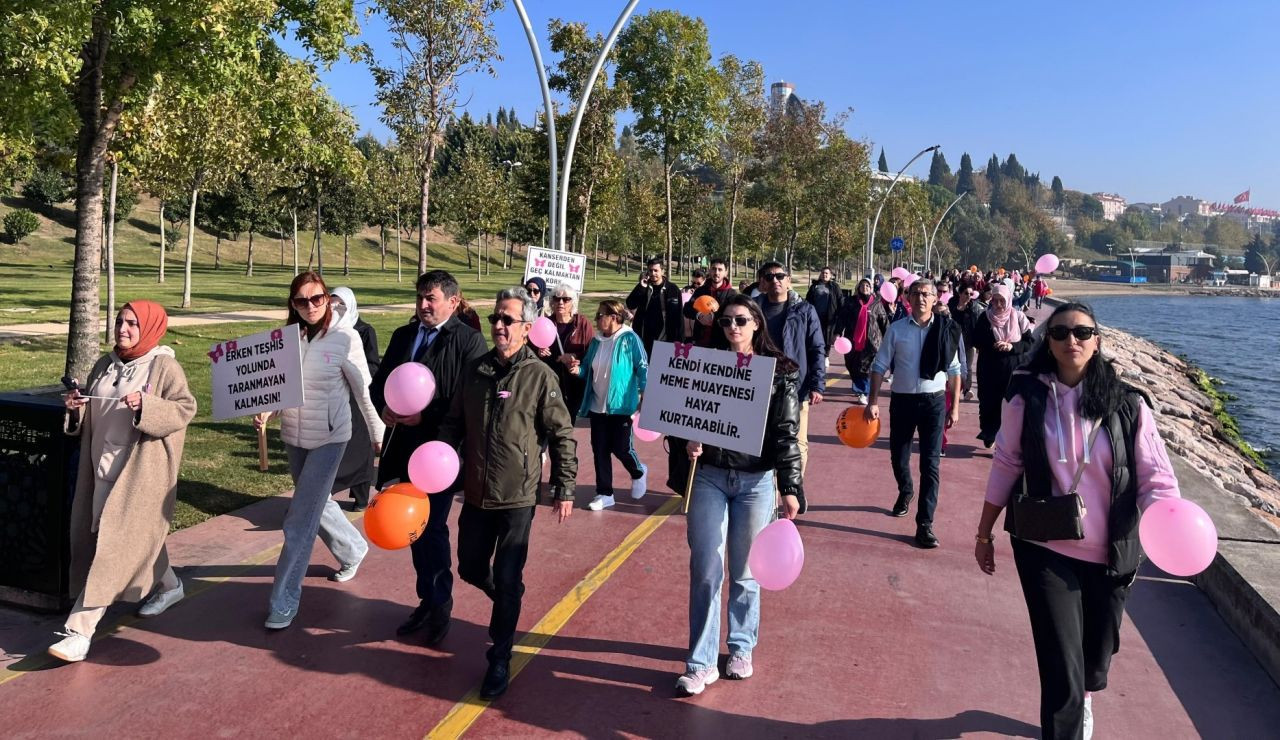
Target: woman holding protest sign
[
  {"x": 315, "y": 436},
  {"x": 132, "y": 423},
  {"x": 732, "y": 499}
]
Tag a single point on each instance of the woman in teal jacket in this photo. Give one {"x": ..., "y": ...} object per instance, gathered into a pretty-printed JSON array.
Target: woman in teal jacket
[{"x": 614, "y": 369}]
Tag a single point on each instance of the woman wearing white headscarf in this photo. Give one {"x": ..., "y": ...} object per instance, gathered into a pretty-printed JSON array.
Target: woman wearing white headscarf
[
  {"x": 355, "y": 472},
  {"x": 1003, "y": 340}
]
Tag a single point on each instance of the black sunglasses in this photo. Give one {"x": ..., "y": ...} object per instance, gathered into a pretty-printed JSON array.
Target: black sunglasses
[
  {"x": 1081, "y": 333},
  {"x": 506, "y": 320},
  {"x": 534, "y": 291},
  {"x": 602, "y": 314},
  {"x": 316, "y": 300},
  {"x": 727, "y": 321},
  {"x": 779, "y": 276}
]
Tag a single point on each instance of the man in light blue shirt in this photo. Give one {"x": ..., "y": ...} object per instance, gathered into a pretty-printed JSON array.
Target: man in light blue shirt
[{"x": 922, "y": 349}]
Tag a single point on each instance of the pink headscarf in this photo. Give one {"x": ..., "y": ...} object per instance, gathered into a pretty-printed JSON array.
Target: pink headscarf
[{"x": 1007, "y": 324}]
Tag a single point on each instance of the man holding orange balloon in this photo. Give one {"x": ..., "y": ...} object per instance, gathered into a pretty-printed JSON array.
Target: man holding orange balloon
[
  {"x": 923, "y": 350},
  {"x": 509, "y": 400},
  {"x": 717, "y": 289}
]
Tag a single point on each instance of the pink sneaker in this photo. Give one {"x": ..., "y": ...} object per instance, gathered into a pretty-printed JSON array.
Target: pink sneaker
[
  {"x": 693, "y": 682},
  {"x": 738, "y": 667}
]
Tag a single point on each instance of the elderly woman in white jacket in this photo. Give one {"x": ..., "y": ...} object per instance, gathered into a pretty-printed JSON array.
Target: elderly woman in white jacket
[{"x": 315, "y": 436}]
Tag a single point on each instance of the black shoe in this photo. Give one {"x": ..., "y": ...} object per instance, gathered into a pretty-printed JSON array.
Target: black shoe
[
  {"x": 416, "y": 621},
  {"x": 925, "y": 538},
  {"x": 438, "y": 624},
  {"x": 495, "y": 680},
  {"x": 900, "y": 506}
]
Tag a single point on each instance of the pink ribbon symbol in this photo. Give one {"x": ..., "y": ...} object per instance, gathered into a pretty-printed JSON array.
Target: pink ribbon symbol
[
  {"x": 277, "y": 334},
  {"x": 682, "y": 349},
  {"x": 744, "y": 360},
  {"x": 215, "y": 354},
  {"x": 539, "y": 263},
  {"x": 573, "y": 269},
  {"x": 231, "y": 346},
  {"x": 504, "y": 395}
]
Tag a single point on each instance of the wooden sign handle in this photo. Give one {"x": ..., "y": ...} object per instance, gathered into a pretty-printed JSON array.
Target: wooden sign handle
[
  {"x": 688, "y": 487},
  {"x": 262, "y": 449}
]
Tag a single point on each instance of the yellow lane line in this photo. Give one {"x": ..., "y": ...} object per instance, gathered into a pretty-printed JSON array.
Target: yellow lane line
[{"x": 467, "y": 711}]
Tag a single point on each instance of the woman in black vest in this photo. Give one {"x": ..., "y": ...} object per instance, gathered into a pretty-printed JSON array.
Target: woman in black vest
[{"x": 1068, "y": 424}]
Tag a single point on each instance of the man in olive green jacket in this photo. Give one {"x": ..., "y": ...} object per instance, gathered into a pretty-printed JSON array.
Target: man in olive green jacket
[{"x": 509, "y": 404}]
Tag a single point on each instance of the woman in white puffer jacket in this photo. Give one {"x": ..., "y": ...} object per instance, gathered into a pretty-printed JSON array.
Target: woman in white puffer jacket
[{"x": 315, "y": 436}]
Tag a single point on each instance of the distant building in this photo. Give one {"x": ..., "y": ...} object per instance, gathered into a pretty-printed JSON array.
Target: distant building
[
  {"x": 1173, "y": 263},
  {"x": 780, "y": 93},
  {"x": 1185, "y": 205},
  {"x": 1112, "y": 205}
]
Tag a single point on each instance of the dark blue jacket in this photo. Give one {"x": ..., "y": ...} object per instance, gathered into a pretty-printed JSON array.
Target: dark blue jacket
[{"x": 803, "y": 342}]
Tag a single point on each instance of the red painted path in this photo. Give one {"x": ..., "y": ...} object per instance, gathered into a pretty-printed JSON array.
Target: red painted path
[{"x": 876, "y": 639}]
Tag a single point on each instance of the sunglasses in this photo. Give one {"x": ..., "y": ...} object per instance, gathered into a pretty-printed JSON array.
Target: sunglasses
[
  {"x": 727, "y": 321},
  {"x": 496, "y": 318},
  {"x": 534, "y": 291},
  {"x": 1081, "y": 333},
  {"x": 564, "y": 298},
  {"x": 779, "y": 276},
  {"x": 603, "y": 314},
  {"x": 316, "y": 300}
]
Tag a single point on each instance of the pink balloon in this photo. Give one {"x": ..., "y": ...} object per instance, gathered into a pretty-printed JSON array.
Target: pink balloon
[
  {"x": 1047, "y": 263},
  {"x": 842, "y": 345},
  {"x": 1178, "y": 536},
  {"x": 900, "y": 272},
  {"x": 642, "y": 434},
  {"x": 409, "y": 389},
  {"x": 433, "y": 467},
  {"x": 777, "y": 555},
  {"x": 543, "y": 333},
  {"x": 889, "y": 292},
  {"x": 909, "y": 279},
  {"x": 685, "y": 296},
  {"x": 945, "y": 298}
]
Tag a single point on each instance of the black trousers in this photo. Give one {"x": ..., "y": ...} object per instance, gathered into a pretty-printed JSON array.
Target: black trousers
[
  {"x": 1075, "y": 610},
  {"x": 611, "y": 437},
  {"x": 909, "y": 412},
  {"x": 492, "y": 547},
  {"x": 431, "y": 557}
]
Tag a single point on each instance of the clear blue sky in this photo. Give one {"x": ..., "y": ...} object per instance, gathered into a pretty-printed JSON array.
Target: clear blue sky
[{"x": 1146, "y": 100}]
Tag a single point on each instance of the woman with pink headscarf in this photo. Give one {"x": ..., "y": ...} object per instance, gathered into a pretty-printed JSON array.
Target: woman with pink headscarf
[{"x": 1003, "y": 340}]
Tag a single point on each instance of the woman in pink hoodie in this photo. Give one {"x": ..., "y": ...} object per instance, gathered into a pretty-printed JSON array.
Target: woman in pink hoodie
[{"x": 1070, "y": 426}]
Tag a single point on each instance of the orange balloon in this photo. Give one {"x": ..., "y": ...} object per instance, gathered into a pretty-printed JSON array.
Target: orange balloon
[
  {"x": 1048, "y": 291},
  {"x": 706, "y": 304},
  {"x": 396, "y": 517},
  {"x": 854, "y": 430}
]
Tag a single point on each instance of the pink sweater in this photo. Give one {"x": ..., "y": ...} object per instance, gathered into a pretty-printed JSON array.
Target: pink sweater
[{"x": 1061, "y": 421}]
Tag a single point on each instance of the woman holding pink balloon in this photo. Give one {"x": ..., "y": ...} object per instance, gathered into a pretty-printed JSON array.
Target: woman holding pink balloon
[
  {"x": 1078, "y": 456},
  {"x": 573, "y": 336},
  {"x": 614, "y": 371},
  {"x": 732, "y": 501},
  {"x": 862, "y": 323},
  {"x": 1003, "y": 339}
]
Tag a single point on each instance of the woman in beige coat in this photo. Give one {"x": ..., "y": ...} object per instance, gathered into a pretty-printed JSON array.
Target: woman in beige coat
[{"x": 132, "y": 422}]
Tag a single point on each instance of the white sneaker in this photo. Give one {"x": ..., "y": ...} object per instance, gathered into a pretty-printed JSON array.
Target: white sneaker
[
  {"x": 160, "y": 601},
  {"x": 73, "y": 647},
  {"x": 346, "y": 573},
  {"x": 693, "y": 682},
  {"x": 640, "y": 486},
  {"x": 600, "y": 502},
  {"x": 860, "y": 400},
  {"x": 1088, "y": 717}
]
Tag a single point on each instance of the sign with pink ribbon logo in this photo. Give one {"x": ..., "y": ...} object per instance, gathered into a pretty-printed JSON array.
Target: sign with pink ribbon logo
[
  {"x": 711, "y": 396},
  {"x": 257, "y": 373},
  {"x": 556, "y": 267}
]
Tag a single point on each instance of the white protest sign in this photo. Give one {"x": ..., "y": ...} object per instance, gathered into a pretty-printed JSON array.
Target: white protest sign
[
  {"x": 711, "y": 396},
  {"x": 257, "y": 373},
  {"x": 556, "y": 267}
]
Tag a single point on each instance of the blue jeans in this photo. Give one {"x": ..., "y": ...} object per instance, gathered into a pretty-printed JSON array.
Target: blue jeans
[
  {"x": 727, "y": 509},
  {"x": 312, "y": 511}
]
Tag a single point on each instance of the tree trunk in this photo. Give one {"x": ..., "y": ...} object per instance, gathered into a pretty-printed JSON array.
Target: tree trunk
[
  {"x": 399, "y": 277},
  {"x": 382, "y": 245},
  {"x": 97, "y": 128},
  {"x": 294, "y": 213},
  {"x": 795, "y": 232},
  {"x": 282, "y": 247},
  {"x": 826, "y": 256},
  {"x": 479, "y": 236},
  {"x": 191, "y": 244},
  {"x": 161, "y": 278},
  {"x": 595, "y": 264},
  {"x": 506, "y": 260},
  {"x": 666, "y": 181},
  {"x": 248, "y": 269},
  {"x": 423, "y": 205},
  {"x": 733, "y": 221},
  {"x": 346, "y": 254},
  {"x": 111, "y": 252},
  {"x": 319, "y": 246},
  {"x": 217, "y": 249},
  {"x": 466, "y": 247}
]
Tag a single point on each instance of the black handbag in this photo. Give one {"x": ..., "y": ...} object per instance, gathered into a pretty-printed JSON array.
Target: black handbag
[{"x": 1052, "y": 517}]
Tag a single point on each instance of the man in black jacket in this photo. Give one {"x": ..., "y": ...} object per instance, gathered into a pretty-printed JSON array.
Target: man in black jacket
[
  {"x": 656, "y": 305},
  {"x": 438, "y": 339}
]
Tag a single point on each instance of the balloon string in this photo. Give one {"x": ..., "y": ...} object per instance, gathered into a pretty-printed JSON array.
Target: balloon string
[{"x": 387, "y": 444}]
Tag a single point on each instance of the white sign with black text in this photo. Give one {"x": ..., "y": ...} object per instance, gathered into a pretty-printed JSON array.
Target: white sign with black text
[
  {"x": 257, "y": 373},
  {"x": 556, "y": 267},
  {"x": 711, "y": 396}
]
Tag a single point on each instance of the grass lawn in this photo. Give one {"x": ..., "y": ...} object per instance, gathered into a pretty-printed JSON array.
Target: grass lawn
[{"x": 219, "y": 468}]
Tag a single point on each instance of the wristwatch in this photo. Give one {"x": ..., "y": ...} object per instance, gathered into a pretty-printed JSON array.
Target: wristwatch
[{"x": 988, "y": 540}]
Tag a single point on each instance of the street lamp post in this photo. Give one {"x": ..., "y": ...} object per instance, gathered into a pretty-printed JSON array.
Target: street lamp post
[
  {"x": 550, "y": 113},
  {"x": 508, "y": 257},
  {"x": 928, "y": 245},
  {"x": 871, "y": 237}
]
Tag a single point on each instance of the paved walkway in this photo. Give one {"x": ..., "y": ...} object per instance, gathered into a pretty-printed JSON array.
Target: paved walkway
[{"x": 876, "y": 639}]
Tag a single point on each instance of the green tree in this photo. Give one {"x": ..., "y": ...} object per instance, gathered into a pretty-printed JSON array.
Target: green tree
[
  {"x": 964, "y": 177},
  {"x": 1091, "y": 207},
  {"x": 1059, "y": 195},
  {"x": 111, "y": 56},
  {"x": 664, "y": 60},
  {"x": 1226, "y": 233},
  {"x": 940, "y": 171},
  {"x": 745, "y": 112},
  {"x": 436, "y": 42},
  {"x": 47, "y": 187},
  {"x": 993, "y": 170}
]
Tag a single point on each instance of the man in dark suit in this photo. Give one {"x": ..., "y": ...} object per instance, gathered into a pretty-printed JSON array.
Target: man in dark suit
[{"x": 437, "y": 338}]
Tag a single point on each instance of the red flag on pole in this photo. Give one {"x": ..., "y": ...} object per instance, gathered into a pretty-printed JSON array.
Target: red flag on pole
[{"x": 1242, "y": 198}]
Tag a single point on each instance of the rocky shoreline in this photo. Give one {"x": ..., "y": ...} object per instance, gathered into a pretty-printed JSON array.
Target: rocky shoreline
[{"x": 1193, "y": 423}]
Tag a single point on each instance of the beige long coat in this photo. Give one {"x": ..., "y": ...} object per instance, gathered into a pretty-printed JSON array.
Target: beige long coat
[{"x": 127, "y": 557}]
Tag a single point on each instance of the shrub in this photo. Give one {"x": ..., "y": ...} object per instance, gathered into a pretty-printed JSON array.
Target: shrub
[
  {"x": 19, "y": 224},
  {"x": 48, "y": 187}
]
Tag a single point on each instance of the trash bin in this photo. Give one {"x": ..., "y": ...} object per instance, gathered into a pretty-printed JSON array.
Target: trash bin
[{"x": 38, "y": 466}]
